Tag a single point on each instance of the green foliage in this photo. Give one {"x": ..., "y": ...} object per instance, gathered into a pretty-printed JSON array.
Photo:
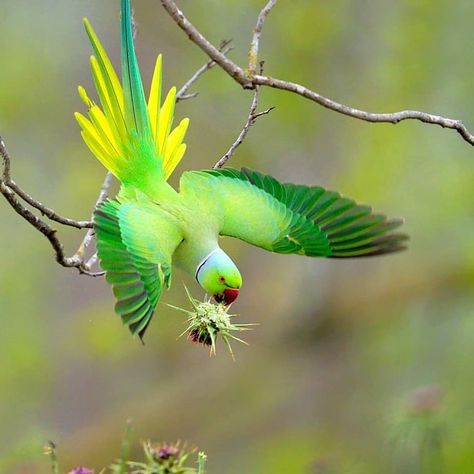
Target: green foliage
[
  {"x": 166, "y": 459},
  {"x": 160, "y": 458},
  {"x": 50, "y": 450},
  {"x": 419, "y": 431}
]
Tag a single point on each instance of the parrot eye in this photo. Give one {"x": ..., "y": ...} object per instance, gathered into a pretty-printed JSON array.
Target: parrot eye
[{"x": 222, "y": 279}]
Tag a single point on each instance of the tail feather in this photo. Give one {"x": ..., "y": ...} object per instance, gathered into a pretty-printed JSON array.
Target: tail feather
[
  {"x": 136, "y": 113},
  {"x": 136, "y": 141},
  {"x": 107, "y": 83}
]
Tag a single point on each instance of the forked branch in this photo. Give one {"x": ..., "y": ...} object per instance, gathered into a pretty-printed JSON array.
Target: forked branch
[
  {"x": 249, "y": 80},
  {"x": 251, "y": 119},
  {"x": 17, "y": 198},
  {"x": 11, "y": 191},
  {"x": 182, "y": 94}
]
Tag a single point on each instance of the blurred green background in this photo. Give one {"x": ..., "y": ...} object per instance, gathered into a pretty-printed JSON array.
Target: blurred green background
[{"x": 331, "y": 381}]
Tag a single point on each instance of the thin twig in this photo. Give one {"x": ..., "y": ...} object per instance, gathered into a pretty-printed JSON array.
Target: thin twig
[
  {"x": 89, "y": 237},
  {"x": 252, "y": 118},
  {"x": 182, "y": 94},
  {"x": 50, "y": 450},
  {"x": 394, "y": 117},
  {"x": 46, "y": 211},
  {"x": 92, "y": 261},
  {"x": 257, "y": 32},
  {"x": 42, "y": 227},
  {"x": 248, "y": 81},
  {"x": 11, "y": 194},
  {"x": 105, "y": 188},
  {"x": 11, "y": 191},
  {"x": 194, "y": 35},
  {"x": 103, "y": 195},
  {"x": 6, "y": 161}
]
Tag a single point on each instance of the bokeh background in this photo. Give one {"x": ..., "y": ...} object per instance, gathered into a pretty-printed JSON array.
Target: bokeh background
[{"x": 358, "y": 366}]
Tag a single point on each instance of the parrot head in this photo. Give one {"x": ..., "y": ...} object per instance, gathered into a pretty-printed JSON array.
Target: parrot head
[{"x": 219, "y": 276}]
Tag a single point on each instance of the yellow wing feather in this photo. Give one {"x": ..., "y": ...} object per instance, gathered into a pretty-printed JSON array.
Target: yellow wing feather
[
  {"x": 174, "y": 159},
  {"x": 105, "y": 131},
  {"x": 165, "y": 120},
  {"x": 155, "y": 96},
  {"x": 174, "y": 143},
  {"x": 104, "y": 61}
]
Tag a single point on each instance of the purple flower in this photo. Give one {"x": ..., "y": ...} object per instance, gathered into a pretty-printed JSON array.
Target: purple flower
[
  {"x": 426, "y": 400},
  {"x": 167, "y": 452},
  {"x": 201, "y": 336},
  {"x": 81, "y": 470}
]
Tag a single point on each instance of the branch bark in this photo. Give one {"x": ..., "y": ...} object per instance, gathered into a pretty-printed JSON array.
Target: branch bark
[
  {"x": 183, "y": 94},
  {"x": 248, "y": 80},
  {"x": 196, "y": 37},
  {"x": 13, "y": 193},
  {"x": 257, "y": 32},
  {"x": 45, "y": 211},
  {"x": 251, "y": 119}
]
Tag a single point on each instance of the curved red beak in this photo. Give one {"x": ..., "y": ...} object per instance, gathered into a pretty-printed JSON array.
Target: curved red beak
[{"x": 228, "y": 297}]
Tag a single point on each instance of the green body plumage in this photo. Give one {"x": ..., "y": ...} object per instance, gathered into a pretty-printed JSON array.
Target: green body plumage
[{"x": 150, "y": 226}]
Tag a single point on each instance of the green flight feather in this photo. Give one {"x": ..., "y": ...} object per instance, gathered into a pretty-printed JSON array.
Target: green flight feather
[
  {"x": 289, "y": 218},
  {"x": 136, "y": 265},
  {"x": 136, "y": 287},
  {"x": 136, "y": 112}
]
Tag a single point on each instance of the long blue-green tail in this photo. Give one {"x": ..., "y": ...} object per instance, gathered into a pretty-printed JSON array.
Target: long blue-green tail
[
  {"x": 136, "y": 111},
  {"x": 132, "y": 138}
]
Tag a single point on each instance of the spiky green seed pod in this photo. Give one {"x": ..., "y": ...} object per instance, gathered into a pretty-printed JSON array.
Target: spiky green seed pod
[{"x": 207, "y": 321}]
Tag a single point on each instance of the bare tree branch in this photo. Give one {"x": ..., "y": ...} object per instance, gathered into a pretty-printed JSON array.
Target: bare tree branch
[
  {"x": 89, "y": 237},
  {"x": 46, "y": 230},
  {"x": 257, "y": 32},
  {"x": 182, "y": 94},
  {"x": 11, "y": 191},
  {"x": 252, "y": 118},
  {"x": 249, "y": 81},
  {"x": 46, "y": 211},
  {"x": 194, "y": 35}
]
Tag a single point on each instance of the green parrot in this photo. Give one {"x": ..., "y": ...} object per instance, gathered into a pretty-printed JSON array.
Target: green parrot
[{"x": 149, "y": 225}]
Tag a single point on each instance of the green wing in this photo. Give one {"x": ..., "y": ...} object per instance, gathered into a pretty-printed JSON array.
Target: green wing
[
  {"x": 135, "y": 244},
  {"x": 289, "y": 218}
]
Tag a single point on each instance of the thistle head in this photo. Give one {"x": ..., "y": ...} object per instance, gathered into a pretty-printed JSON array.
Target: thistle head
[
  {"x": 168, "y": 458},
  {"x": 219, "y": 276},
  {"x": 207, "y": 321},
  {"x": 164, "y": 453}
]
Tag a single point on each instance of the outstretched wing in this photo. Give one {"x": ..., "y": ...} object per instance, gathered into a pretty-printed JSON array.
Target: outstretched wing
[
  {"x": 290, "y": 218},
  {"x": 135, "y": 244}
]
